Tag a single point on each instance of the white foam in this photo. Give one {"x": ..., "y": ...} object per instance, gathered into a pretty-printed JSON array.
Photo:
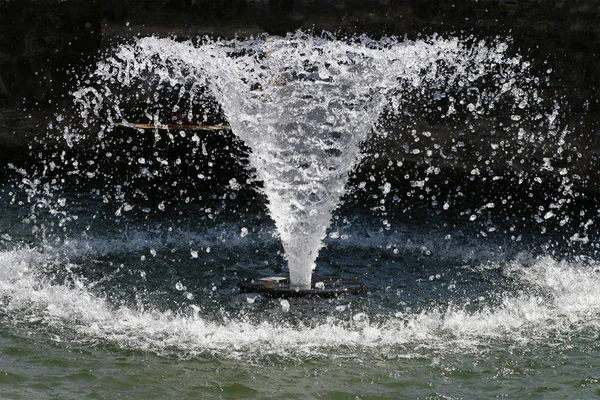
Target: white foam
[{"x": 559, "y": 299}]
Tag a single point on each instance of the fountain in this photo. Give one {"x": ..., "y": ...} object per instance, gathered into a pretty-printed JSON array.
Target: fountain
[
  {"x": 304, "y": 105},
  {"x": 453, "y": 177}
]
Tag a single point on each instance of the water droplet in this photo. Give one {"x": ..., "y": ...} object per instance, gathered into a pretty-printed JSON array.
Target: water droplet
[
  {"x": 360, "y": 317},
  {"x": 386, "y": 188},
  {"x": 233, "y": 184}
]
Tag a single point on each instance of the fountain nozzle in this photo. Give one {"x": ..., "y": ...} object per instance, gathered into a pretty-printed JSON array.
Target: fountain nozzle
[{"x": 279, "y": 286}]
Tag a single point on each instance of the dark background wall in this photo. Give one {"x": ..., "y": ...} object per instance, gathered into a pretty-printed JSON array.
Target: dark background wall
[
  {"x": 44, "y": 43},
  {"x": 40, "y": 38}
]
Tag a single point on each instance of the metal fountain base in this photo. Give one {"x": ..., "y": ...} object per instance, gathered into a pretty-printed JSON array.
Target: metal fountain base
[{"x": 278, "y": 286}]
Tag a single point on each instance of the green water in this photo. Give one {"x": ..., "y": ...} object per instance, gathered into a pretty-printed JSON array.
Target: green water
[
  {"x": 132, "y": 315},
  {"x": 39, "y": 368}
]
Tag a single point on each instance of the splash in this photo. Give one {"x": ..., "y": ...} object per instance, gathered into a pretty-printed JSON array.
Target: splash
[
  {"x": 304, "y": 105},
  {"x": 561, "y": 300}
]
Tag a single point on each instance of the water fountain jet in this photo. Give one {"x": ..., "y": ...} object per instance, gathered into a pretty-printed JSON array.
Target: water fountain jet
[{"x": 303, "y": 105}]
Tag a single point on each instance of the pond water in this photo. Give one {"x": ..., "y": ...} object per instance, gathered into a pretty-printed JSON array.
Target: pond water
[{"x": 120, "y": 279}]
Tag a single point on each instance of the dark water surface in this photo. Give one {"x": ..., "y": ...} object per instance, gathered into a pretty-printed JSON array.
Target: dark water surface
[{"x": 146, "y": 306}]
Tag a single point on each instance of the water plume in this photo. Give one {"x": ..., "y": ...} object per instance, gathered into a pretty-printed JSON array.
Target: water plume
[{"x": 304, "y": 105}]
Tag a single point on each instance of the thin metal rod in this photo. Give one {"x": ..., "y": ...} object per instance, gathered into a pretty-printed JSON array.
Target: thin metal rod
[{"x": 167, "y": 127}]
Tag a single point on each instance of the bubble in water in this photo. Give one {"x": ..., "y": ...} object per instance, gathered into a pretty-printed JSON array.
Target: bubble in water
[
  {"x": 285, "y": 305},
  {"x": 244, "y": 232}
]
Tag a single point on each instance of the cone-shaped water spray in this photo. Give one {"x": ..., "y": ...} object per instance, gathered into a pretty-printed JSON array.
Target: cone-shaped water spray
[{"x": 303, "y": 104}]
